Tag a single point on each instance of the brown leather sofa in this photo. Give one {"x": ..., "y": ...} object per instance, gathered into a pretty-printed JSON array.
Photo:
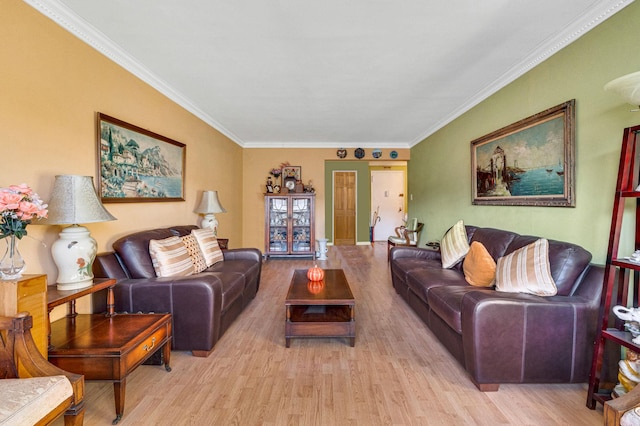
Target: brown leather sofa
[
  {"x": 203, "y": 305},
  {"x": 503, "y": 337}
]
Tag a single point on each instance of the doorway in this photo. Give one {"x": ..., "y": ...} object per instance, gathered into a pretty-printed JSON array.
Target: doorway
[
  {"x": 388, "y": 200},
  {"x": 344, "y": 207}
]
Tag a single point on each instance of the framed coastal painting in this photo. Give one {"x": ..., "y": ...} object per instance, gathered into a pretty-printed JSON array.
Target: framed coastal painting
[
  {"x": 136, "y": 165},
  {"x": 528, "y": 163}
]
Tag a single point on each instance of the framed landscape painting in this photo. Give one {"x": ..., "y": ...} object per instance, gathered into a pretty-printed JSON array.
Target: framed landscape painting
[
  {"x": 136, "y": 165},
  {"x": 528, "y": 163}
]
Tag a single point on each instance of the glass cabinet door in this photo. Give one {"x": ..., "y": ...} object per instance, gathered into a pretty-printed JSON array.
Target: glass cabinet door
[
  {"x": 301, "y": 224},
  {"x": 278, "y": 224}
]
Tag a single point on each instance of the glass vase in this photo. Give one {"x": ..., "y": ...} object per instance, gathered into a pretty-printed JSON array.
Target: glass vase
[{"x": 12, "y": 263}]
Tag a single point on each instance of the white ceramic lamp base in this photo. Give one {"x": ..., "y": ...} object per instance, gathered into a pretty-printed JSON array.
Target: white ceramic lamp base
[
  {"x": 74, "y": 254},
  {"x": 209, "y": 221}
]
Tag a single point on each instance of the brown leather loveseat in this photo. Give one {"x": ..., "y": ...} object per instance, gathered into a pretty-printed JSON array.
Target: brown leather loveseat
[
  {"x": 501, "y": 337},
  {"x": 203, "y": 305}
]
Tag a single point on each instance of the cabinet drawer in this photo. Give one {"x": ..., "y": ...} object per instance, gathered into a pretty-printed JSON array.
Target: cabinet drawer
[{"x": 147, "y": 347}]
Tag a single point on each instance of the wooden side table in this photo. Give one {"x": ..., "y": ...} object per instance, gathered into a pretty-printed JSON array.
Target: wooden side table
[
  {"x": 223, "y": 243},
  {"x": 106, "y": 347}
]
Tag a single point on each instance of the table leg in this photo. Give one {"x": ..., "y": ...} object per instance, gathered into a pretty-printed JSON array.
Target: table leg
[
  {"x": 167, "y": 355},
  {"x": 287, "y": 339},
  {"x": 110, "y": 302},
  {"x": 353, "y": 321},
  {"x": 119, "y": 392}
]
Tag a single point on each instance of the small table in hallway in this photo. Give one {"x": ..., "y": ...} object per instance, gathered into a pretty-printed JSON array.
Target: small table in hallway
[{"x": 320, "y": 309}]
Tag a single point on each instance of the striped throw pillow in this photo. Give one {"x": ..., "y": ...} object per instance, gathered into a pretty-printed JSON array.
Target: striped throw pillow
[
  {"x": 454, "y": 245},
  {"x": 190, "y": 242},
  {"x": 208, "y": 246},
  {"x": 527, "y": 270},
  {"x": 170, "y": 257}
]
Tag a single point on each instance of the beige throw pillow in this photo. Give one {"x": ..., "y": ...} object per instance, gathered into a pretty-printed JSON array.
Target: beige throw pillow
[
  {"x": 479, "y": 267},
  {"x": 454, "y": 245},
  {"x": 199, "y": 263},
  {"x": 527, "y": 270},
  {"x": 208, "y": 246},
  {"x": 170, "y": 257}
]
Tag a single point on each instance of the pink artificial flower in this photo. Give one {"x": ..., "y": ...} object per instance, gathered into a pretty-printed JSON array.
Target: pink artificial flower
[
  {"x": 28, "y": 210},
  {"x": 9, "y": 200},
  {"x": 23, "y": 188}
]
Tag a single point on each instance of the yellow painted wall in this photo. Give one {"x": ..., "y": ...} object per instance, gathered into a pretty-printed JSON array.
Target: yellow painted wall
[
  {"x": 440, "y": 171},
  {"x": 51, "y": 86}
]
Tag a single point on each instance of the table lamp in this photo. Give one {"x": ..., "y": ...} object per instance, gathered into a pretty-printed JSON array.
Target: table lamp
[
  {"x": 74, "y": 200},
  {"x": 209, "y": 206}
]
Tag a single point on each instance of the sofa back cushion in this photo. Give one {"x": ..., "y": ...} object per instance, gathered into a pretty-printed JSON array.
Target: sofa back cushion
[
  {"x": 567, "y": 261},
  {"x": 133, "y": 251},
  {"x": 496, "y": 241}
]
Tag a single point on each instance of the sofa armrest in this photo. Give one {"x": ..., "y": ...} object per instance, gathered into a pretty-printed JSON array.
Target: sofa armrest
[
  {"x": 243, "y": 254},
  {"x": 399, "y": 252},
  {"x": 195, "y": 302},
  {"x": 513, "y": 337}
]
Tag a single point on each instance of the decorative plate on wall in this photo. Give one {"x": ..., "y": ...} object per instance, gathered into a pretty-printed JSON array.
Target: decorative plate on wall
[
  {"x": 341, "y": 153},
  {"x": 393, "y": 154},
  {"x": 359, "y": 153},
  {"x": 377, "y": 153}
]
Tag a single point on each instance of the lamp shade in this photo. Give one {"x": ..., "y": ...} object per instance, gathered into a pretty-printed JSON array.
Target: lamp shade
[
  {"x": 627, "y": 86},
  {"x": 74, "y": 200},
  {"x": 210, "y": 203}
]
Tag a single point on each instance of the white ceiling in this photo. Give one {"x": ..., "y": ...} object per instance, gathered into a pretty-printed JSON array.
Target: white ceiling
[{"x": 328, "y": 73}]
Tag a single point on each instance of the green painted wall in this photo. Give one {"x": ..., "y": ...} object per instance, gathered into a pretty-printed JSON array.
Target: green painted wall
[
  {"x": 363, "y": 201},
  {"x": 440, "y": 171}
]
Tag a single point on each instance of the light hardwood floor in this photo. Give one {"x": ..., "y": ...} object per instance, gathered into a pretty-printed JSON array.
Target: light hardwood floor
[{"x": 397, "y": 373}]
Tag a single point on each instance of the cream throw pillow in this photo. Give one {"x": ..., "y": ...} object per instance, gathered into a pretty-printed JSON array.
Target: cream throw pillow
[
  {"x": 170, "y": 257},
  {"x": 454, "y": 245},
  {"x": 527, "y": 270},
  {"x": 479, "y": 267},
  {"x": 208, "y": 246},
  {"x": 199, "y": 263}
]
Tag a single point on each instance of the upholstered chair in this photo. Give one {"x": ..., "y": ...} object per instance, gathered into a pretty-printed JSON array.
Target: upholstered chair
[{"x": 34, "y": 391}]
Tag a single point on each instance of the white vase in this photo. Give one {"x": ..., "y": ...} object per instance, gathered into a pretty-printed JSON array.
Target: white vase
[{"x": 12, "y": 263}]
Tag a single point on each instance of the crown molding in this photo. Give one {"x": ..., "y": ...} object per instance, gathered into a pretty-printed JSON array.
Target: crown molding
[
  {"x": 598, "y": 13},
  {"x": 70, "y": 21},
  {"x": 328, "y": 144}
]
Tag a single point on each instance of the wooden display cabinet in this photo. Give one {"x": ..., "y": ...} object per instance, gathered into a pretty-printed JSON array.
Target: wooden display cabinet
[{"x": 289, "y": 224}]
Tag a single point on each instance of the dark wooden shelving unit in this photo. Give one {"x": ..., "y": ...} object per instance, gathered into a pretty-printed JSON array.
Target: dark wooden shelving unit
[{"x": 618, "y": 270}]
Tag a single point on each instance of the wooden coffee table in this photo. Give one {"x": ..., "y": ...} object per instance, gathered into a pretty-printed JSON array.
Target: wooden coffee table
[{"x": 320, "y": 310}]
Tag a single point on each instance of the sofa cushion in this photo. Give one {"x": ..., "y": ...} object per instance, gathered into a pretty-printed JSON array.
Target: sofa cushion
[
  {"x": 133, "y": 251},
  {"x": 478, "y": 266},
  {"x": 454, "y": 245},
  {"x": 421, "y": 281},
  {"x": 208, "y": 245},
  {"x": 496, "y": 241},
  {"x": 526, "y": 270},
  {"x": 446, "y": 302},
  {"x": 199, "y": 263},
  {"x": 233, "y": 284},
  {"x": 170, "y": 257}
]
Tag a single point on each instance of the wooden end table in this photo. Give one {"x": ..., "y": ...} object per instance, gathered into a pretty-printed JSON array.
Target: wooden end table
[
  {"x": 324, "y": 309},
  {"x": 106, "y": 346}
]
